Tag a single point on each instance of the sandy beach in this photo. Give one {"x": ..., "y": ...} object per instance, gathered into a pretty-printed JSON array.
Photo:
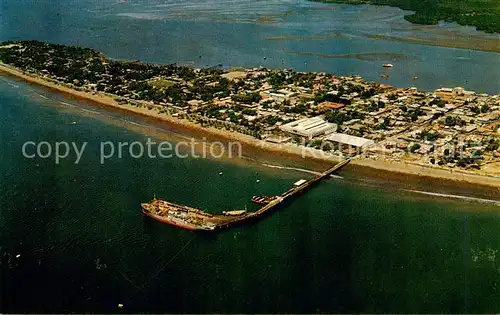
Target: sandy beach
[{"x": 403, "y": 168}]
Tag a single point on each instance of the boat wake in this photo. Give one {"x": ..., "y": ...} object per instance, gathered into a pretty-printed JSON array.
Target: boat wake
[
  {"x": 479, "y": 200},
  {"x": 298, "y": 170}
]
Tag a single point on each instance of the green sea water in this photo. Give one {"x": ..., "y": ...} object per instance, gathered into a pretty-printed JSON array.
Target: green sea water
[{"x": 347, "y": 245}]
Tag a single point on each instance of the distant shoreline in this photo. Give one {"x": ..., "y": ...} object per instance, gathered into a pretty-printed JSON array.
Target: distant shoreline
[
  {"x": 402, "y": 168},
  {"x": 439, "y": 10}
]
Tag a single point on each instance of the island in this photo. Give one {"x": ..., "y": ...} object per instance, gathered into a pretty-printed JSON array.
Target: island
[
  {"x": 447, "y": 133},
  {"x": 483, "y": 14}
]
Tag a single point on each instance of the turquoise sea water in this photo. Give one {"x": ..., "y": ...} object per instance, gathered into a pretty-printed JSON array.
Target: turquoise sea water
[{"x": 345, "y": 246}]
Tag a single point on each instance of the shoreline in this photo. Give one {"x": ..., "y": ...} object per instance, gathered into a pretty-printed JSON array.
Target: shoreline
[
  {"x": 402, "y": 169},
  {"x": 425, "y": 17}
]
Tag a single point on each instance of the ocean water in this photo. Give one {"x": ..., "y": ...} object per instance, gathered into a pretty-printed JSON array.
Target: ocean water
[
  {"x": 344, "y": 246},
  {"x": 298, "y": 34}
]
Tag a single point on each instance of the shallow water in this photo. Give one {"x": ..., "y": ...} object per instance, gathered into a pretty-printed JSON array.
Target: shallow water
[{"x": 306, "y": 36}]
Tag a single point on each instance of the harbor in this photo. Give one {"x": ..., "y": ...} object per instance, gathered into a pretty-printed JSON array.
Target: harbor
[{"x": 194, "y": 219}]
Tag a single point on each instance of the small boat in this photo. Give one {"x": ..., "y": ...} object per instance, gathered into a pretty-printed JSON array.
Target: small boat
[
  {"x": 415, "y": 77},
  {"x": 263, "y": 200},
  {"x": 221, "y": 173},
  {"x": 234, "y": 212},
  {"x": 387, "y": 65},
  {"x": 385, "y": 76}
]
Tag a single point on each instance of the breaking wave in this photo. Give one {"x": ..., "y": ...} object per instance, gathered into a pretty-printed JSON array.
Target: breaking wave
[
  {"x": 297, "y": 169},
  {"x": 479, "y": 200}
]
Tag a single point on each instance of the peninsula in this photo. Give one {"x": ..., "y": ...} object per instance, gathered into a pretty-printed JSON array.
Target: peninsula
[{"x": 448, "y": 133}]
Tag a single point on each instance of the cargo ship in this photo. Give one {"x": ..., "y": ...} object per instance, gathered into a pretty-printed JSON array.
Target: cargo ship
[
  {"x": 181, "y": 216},
  {"x": 263, "y": 200}
]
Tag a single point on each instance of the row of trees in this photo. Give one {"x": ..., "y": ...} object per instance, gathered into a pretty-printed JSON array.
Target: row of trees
[{"x": 339, "y": 117}]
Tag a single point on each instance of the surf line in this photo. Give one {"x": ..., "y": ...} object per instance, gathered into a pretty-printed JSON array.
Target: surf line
[
  {"x": 298, "y": 170},
  {"x": 480, "y": 200}
]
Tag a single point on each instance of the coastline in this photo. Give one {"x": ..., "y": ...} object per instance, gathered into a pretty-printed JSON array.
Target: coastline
[
  {"x": 403, "y": 169},
  {"x": 430, "y": 15}
]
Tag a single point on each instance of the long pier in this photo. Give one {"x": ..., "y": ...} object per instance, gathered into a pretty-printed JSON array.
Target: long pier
[
  {"x": 195, "y": 219},
  {"x": 286, "y": 195}
]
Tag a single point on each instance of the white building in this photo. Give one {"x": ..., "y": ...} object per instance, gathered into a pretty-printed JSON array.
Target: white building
[
  {"x": 309, "y": 127},
  {"x": 458, "y": 91},
  {"x": 280, "y": 95},
  {"x": 352, "y": 141},
  {"x": 445, "y": 90}
]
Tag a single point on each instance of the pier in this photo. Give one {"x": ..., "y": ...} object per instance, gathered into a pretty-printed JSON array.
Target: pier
[
  {"x": 288, "y": 194},
  {"x": 194, "y": 219}
]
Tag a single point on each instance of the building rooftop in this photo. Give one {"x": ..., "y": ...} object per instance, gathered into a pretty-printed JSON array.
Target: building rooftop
[
  {"x": 349, "y": 140},
  {"x": 309, "y": 127}
]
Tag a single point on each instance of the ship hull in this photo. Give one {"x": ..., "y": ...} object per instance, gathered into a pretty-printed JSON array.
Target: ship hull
[{"x": 171, "y": 222}]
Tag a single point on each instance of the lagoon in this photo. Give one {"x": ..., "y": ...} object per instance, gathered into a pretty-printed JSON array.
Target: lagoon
[{"x": 298, "y": 34}]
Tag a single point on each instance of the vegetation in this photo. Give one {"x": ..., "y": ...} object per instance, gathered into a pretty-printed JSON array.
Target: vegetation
[
  {"x": 415, "y": 147},
  {"x": 298, "y": 109},
  {"x": 413, "y": 114},
  {"x": 162, "y": 83},
  {"x": 383, "y": 125},
  {"x": 480, "y": 109},
  {"x": 300, "y": 79},
  {"x": 493, "y": 145},
  {"x": 483, "y": 14},
  {"x": 247, "y": 98},
  {"x": 339, "y": 117},
  {"x": 375, "y": 106},
  {"x": 454, "y": 121},
  {"x": 429, "y": 136},
  {"x": 79, "y": 66},
  {"x": 438, "y": 102}
]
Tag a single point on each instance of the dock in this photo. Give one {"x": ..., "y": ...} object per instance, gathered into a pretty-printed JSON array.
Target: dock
[
  {"x": 288, "y": 194},
  {"x": 194, "y": 218}
]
